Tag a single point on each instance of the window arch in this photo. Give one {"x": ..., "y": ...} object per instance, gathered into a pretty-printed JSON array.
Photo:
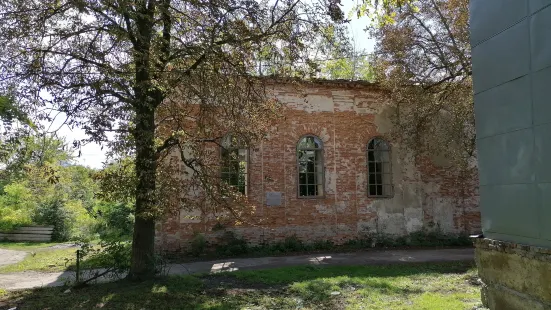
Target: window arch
[
  {"x": 379, "y": 170},
  {"x": 310, "y": 167},
  {"x": 234, "y": 157}
]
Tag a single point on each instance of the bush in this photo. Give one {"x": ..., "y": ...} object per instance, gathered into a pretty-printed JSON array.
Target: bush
[
  {"x": 109, "y": 254},
  {"x": 198, "y": 244},
  {"x": 421, "y": 238},
  {"x": 53, "y": 213},
  {"x": 319, "y": 245},
  {"x": 231, "y": 245},
  {"x": 82, "y": 224},
  {"x": 115, "y": 221},
  {"x": 293, "y": 244}
]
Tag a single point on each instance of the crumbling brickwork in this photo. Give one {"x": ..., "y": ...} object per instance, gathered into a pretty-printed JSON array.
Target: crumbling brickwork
[{"x": 345, "y": 116}]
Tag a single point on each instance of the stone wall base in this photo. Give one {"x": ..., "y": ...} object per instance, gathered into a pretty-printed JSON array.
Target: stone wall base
[{"x": 514, "y": 276}]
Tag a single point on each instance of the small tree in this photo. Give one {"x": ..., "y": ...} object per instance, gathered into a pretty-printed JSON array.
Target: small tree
[{"x": 110, "y": 66}]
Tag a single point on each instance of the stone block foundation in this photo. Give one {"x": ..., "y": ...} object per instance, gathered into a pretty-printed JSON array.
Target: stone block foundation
[{"x": 514, "y": 276}]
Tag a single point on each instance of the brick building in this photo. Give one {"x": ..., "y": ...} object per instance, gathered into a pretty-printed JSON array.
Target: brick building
[{"x": 329, "y": 171}]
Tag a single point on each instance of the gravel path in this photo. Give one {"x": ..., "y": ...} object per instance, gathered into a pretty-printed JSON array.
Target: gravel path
[{"x": 8, "y": 257}]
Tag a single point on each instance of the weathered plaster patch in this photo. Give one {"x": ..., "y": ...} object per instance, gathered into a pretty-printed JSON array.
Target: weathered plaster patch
[
  {"x": 391, "y": 224},
  {"x": 325, "y": 209},
  {"x": 414, "y": 219},
  {"x": 383, "y": 119}
]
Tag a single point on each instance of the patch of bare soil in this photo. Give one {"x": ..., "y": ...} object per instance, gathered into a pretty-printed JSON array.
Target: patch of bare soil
[{"x": 8, "y": 257}]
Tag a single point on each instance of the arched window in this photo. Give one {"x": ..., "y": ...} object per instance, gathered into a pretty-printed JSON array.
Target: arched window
[
  {"x": 310, "y": 167},
  {"x": 379, "y": 170},
  {"x": 234, "y": 156}
]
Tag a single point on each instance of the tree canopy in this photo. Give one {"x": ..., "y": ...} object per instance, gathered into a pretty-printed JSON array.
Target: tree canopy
[
  {"x": 423, "y": 58},
  {"x": 127, "y": 67}
]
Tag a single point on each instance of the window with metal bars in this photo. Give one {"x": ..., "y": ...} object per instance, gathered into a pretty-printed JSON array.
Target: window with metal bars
[
  {"x": 310, "y": 167},
  {"x": 379, "y": 170},
  {"x": 234, "y": 168}
]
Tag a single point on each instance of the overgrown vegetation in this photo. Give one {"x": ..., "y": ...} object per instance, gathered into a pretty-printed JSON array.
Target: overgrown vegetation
[
  {"x": 423, "y": 58},
  {"x": 26, "y": 246},
  {"x": 229, "y": 244},
  {"x": 41, "y": 186},
  {"x": 43, "y": 259},
  {"x": 52, "y": 257},
  {"x": 416, "y": 286}
]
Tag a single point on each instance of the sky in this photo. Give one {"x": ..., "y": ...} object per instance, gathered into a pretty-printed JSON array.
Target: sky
[{"x": 93, "y": 156}]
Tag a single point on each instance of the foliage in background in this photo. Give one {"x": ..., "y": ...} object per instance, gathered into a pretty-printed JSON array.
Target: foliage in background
[
  {"x": 43, "y": 187},
  {"x": 424, "y": 59},
  {"x": 348, "y": 67},
  {"x": 16, "y": 206},
  {"x": 52, "y": 212},
  {"x": 114, "y": 221},
  {"x": 33, "y": 151},
  {"x": 381, "y": 12}
]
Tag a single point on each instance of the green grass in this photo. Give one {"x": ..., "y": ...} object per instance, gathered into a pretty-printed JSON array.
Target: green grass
[
  {"x": 41, "y": 257},
  {"x": 26, "y": 246},
  {"x": 46, "y": 261},
  {"x": 419, "y": 286}
]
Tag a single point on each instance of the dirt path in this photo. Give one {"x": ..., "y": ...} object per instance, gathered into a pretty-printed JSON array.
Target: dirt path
[
  {"x": 8, "y": 257},
  {"x": 30, "y": 279}
]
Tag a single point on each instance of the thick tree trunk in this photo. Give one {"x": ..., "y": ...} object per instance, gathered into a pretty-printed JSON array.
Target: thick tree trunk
[
  {"x": 143, "y": 260},
  {"x": 143, "y": 263}
]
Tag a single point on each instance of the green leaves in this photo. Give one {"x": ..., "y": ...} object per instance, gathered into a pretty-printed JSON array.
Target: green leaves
[
  {"x": 382, "y": 12},
  {"x": 117, "y": 181},
  {"x": 424, "y": 61},
  {"x": 349, "y": 68},
  {"x": 10, "y": 112}
]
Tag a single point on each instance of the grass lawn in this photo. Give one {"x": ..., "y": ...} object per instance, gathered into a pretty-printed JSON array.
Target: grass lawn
[
  {"x": 418, "y": 286},
  {"x": 41, "y": 257},
  {"x": 25, "y": 246},
  {"x": 47, "y": 261}
]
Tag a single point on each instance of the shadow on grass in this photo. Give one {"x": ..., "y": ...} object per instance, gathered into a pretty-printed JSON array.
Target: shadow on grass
[
  {"x": 288, "y": 275},
  {"x": 283, "y": 288}
]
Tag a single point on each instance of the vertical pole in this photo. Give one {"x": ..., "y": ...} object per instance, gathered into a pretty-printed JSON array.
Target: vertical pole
[{"x": 78, "y": 266}]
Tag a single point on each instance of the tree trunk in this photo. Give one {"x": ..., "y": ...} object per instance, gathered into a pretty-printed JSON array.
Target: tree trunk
[{"x": 143, "y": 260}]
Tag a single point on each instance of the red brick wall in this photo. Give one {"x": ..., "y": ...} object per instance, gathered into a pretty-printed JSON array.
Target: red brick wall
[{"x": 345, "y": 118}]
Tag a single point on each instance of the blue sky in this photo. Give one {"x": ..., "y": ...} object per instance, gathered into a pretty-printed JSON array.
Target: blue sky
[{"x": 93, "y": 156}]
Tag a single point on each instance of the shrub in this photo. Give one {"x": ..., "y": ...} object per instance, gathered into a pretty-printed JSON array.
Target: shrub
[
  {"x": 113, "y": 256},
  {"x": 52, "y": 212},
  {"x": 82, "y": 224},
  {"x": 322, "y": 245},
  {"x": 109, "y": 254},
  {"x": 422, "y": 238},
  {"x": 231, "y": 245},
  {"x": 115, "y": 221},
  {"x": 198, "y": 244},
  {"x": 293, "y": 244}
]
